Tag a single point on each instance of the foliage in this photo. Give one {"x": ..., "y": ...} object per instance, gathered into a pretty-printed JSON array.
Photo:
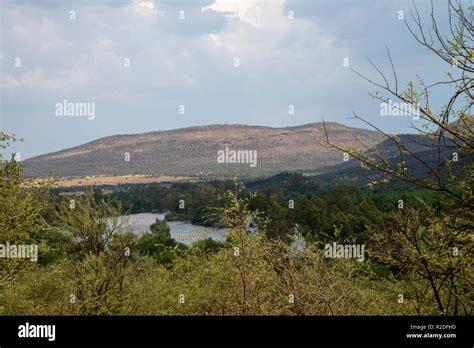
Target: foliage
[
  {"x": 21, "y": 205},
  {"x": 158, "y": 243},
  {"x": 432, "y": 246}
]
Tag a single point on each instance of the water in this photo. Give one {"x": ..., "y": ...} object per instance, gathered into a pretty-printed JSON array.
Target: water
[{"x": 182, "y": 232}]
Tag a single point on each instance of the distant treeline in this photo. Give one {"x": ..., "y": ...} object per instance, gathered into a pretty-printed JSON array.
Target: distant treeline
[{"x": 287, "y": 200}]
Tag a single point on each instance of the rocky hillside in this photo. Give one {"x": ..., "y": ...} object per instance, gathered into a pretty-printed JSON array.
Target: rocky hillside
[{"x": 194, "y": 152}]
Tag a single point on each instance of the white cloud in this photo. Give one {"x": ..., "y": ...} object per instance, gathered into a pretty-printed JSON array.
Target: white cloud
[
  {"x": 145, "y": 8},
  {"x": 260, "y": 31},
  {"x": 247, "y": 11},
  {"x": 40, "y": 80}
]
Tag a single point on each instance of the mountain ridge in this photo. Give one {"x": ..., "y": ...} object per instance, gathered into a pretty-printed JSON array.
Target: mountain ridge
[
  {"x": 177, "y": 130},
  {"x": 191, "y": 151}
]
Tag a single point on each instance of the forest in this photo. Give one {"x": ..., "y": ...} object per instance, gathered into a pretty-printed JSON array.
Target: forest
[{"x": 87, "y": 266}]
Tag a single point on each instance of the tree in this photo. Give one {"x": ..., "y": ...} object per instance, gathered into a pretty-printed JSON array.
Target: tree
[
  {"x": 105, "y": 259},
  {"x": 419, "y": 240},
  {"x": 160, "y": 228},
  {"x": 21, "y": 205},
  {"x": 158, "y": 243},
  {"x": 450, "y": 129},
  {"x": 435, "y": 252}
]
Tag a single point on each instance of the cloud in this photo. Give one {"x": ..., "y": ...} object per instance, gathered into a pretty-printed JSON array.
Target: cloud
[
  {"x": 145, "y": 8},
  {"x": 246, "y": 11},
  {"x": 38, "y": 79},
  {"x": 139, "y": 60}
]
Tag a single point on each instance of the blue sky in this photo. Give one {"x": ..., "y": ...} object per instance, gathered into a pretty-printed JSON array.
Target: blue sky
[{"x": 191, "y": 62}]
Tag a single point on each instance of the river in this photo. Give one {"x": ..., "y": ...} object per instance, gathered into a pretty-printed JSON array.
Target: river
[{"x": 182, "y": 232}]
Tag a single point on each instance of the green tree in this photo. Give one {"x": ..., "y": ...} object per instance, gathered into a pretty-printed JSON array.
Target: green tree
[
  {"x": 434, "y": 246},
  {"x": 106, "y": 254},
  {"x": 21, "y": 206},
  {"x": 160, "y": 228}
]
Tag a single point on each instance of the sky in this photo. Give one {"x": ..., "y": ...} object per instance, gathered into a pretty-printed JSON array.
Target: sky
[{"x": 158, "y": 65}]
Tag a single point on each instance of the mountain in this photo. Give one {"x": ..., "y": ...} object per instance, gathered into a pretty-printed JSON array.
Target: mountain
[
  {"x": 425, "y": 155},
  {"x": 193, "y": 152}
]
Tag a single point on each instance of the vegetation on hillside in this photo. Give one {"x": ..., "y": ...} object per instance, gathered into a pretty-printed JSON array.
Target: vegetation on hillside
[{"x": 90, "y": 266}]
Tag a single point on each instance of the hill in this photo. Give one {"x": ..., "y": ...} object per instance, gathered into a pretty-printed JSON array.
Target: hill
[
  {"x": 193, "y": 152},
  {"x": 426, "y": 154}
]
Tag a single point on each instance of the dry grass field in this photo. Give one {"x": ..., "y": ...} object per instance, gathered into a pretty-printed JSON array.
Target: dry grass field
[{"x": 116, "y": 180}]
